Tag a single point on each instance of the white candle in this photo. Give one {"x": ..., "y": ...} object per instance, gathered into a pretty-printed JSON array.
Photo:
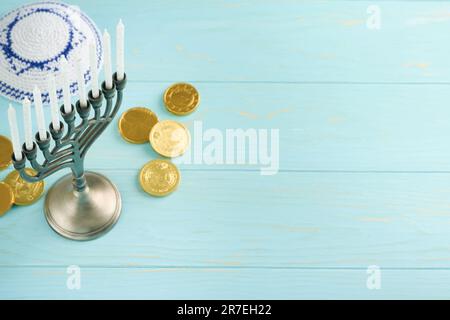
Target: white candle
[
  {"x": 53, "y": 103},
  {"x": 81, "y": 85},
  {"x": 66, "y": 85},
  {"x": 39, "y": 113},
  {"x": 94, "y": 71},
  {"x": 27, "y": 124},
  {"x": 120, "y": 47},
  {"x": 108, "y": 68},
  {"x": 14, "y": 133}
]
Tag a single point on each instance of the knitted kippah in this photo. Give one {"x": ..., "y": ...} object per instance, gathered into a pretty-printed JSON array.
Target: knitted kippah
[{"x": 34, "y": 38}]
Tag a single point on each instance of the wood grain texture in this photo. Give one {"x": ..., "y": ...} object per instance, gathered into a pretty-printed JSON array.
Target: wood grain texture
[
  {"x": 322, "y": 127},
  {"x": 204, "y": 283},
  {"x": 242, "y": 219},
  {"x": 364, "y": 172},
  {"x": 295, "y": 41}
]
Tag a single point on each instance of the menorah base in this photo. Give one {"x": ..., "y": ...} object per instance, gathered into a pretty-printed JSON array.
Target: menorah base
[{"x": 83, "y": 215}]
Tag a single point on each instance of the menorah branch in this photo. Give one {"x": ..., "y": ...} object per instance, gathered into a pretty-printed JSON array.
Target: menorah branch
[
  {"x": 109, "y": 94},
  {"x": 67, "y": 147}
]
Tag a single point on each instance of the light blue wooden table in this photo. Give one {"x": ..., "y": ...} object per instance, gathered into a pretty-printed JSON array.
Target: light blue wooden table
[{"x": 364, "y": 179}]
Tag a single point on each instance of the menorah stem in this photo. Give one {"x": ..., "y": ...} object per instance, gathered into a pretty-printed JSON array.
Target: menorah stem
[{"x": 79, "y": 179}]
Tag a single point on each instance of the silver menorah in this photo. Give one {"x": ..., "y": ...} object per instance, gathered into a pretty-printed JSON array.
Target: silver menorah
[{"x": 82, "y": 205}]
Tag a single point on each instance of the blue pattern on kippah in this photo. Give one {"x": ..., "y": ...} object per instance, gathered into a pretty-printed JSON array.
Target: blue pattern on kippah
[
  {"x": 7, "y": 48},
  {"x": 14, "y": 59}
]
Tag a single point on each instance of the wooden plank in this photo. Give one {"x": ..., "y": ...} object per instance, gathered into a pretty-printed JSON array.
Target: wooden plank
[
  {"x": 185, "y": 283},
  {"x": 318, "y": 41},
  {"x": 321, "y": 127},
  {"x": 237, "y": 218}
]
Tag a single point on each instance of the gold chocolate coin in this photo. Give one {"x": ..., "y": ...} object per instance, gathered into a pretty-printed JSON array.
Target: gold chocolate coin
[
  {"x": 159, "y": 178},
  {"x": 6, "y": 198},
  {"x": 6, "y": 151},
  {"x": 135, "y": 124},
  {"x": 25, "y": 193},
  {"x": 181, "y": 99},
  {"x": 170, "y": 138}
]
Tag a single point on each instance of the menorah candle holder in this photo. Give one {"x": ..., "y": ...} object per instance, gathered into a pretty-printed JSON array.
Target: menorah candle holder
[{"x": 82, "y": 205}]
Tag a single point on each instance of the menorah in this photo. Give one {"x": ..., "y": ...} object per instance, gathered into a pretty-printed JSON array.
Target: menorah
[{"x": 82, "y": 205}]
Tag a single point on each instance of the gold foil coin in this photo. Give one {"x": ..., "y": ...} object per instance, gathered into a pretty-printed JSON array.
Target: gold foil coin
[
  {"x": 6, "y": 198},
  {"x": 170, "y": 138},
  {"x": 181, "y": 99},
  {"x": 159, "y": 178},
  {"x": 6, "y": 151},
  {"x": 135, "y": 124},
  {"x": 25, "y": 193}
]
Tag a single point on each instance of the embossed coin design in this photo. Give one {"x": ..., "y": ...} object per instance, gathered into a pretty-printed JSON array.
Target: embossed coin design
[
  {"x": 170, "y": 138},
  {"x": 159, "y": 178},
  {"x": 6, "y": 151},
  {"x": 6, "y": 198},
  {"x": 135, "y": 124},
  {"x": 181, "y": 99},
  {"x": 25, "y": 193}
]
